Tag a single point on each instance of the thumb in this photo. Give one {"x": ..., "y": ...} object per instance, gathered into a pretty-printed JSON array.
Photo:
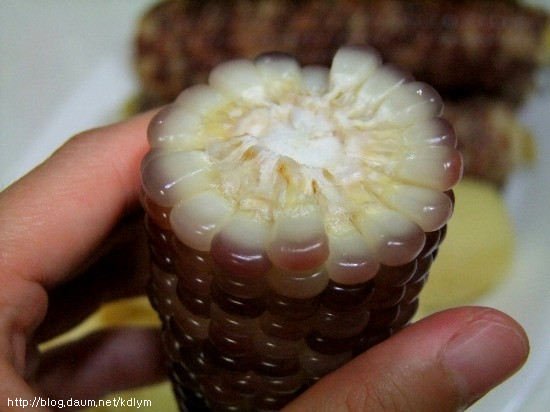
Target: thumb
[{"x": 444, "y": 362}]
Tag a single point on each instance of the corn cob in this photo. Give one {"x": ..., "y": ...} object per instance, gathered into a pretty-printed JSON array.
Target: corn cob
[
  {"x": 293, "y": 215},
  {"x": 459, "y": 47},
  {"x": 492, "y": 140}
]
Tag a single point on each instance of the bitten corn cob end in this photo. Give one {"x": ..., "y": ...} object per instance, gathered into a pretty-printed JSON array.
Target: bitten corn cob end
[
  {"x": 271, "y": 163},
  {"x": 293, "y": 215}
]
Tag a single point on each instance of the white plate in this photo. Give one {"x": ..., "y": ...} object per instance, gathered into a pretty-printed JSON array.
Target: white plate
[{"x": 66, "y": 66}]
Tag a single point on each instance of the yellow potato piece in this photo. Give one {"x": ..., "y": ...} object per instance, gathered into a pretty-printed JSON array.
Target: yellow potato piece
[
  {"x": 477, "y": 252},
  {"x": 129, "y": 312},
  {"x": 152, "y": 398}
]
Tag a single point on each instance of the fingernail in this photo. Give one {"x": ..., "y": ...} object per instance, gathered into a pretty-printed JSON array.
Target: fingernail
[{"x": 483, "y": 354}]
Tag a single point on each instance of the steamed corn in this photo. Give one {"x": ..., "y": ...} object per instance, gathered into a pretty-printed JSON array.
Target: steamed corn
[{"x": 293, "y": 213}]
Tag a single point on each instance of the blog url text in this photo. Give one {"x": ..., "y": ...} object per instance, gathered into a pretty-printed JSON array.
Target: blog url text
[{"x": 115, "y": 402}]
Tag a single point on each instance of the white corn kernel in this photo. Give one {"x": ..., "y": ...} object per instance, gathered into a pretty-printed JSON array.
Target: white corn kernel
[
  {"x": 351, "y": 260},
  {"x": 409, "y": 104},
  {"x": 201, "y": 99},
  {"x": 395, "y": 238},
  {"x": 435, "y": 167},
  {"x": 238, "y": 79},
  {"x": 196, "y": 220},
  {"x": 315, "y": 80},
  {"x": 170, "y": 177},
  {"x": 351, "y": 66},
  {"x": 280, "y": 74},
  {"x": 175, "y": 127},
  {"x": 299, "y": 241},
  {"x": 431, "y": 132},
  {"x": 428, "y": 208},
  {"x": 378, "y": 86}
]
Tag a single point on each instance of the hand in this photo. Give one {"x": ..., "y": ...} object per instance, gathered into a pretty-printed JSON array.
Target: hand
[
  {"x": 71, "y": 238},
  {"x": 444, "y": 362}
]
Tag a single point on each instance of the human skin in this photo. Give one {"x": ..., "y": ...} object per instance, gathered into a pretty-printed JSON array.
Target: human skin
[{"x": 71, "y": 237}]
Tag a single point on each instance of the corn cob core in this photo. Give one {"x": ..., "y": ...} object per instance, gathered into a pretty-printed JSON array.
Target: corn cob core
[{"x": 279, "y": 198}]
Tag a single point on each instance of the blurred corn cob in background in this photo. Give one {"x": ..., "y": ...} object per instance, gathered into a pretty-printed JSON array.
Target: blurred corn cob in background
[
  {"x": 462, "y": 48},
  {"x": 459, "y": 47},
  {"x": 492, "y": 140}
]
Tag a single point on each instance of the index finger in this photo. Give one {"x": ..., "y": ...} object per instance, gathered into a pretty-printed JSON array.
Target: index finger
[{"x": 53, "y": 217}]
